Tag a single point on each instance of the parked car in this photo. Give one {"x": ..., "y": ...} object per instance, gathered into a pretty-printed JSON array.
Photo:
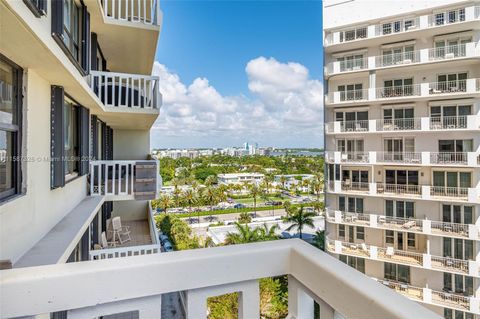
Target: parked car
[
  {"x": 239, "y": 205},
  {"x": 163, "y": 238},
  {"x": 167, "y": 246}
]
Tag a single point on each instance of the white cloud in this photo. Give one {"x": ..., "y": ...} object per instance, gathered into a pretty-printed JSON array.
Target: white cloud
[{"x": 284, "y": 101}]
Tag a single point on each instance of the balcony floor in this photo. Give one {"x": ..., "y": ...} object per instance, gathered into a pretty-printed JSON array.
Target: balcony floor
[{"x": 139, "y": 233}]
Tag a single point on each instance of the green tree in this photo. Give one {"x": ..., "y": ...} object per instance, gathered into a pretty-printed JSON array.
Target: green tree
[
  {"x": 164, "y": 202},
  {"x": 210, "y": 180},
  {"x": 243, "y": 235},
  {"x": 244, "y": 218},
  {"x": 254, "y": 192},
  {"x": 299, "y": 219},
  {"x": 210, "y": 196},
  {"x": 319, "y": 239},
  {"x": 268, "y": 233},
  {"x": 283, "y": 181}
]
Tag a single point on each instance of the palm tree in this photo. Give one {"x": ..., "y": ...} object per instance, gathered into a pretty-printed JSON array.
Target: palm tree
[
  {"x": 190, "y": 199},
  {"x": 283, "y": 180},
  {"x": 176, "y": 192},
  {"x": 244, "y": 218},
  {"x": 210, "y": 197},
  {"x": 319, "y": 239},
  {"x": 210, "y": 180},
  {"x": 299, "y": 219},
  {"x": 243, "y": 235},
  {"x": 164, "y": 202},
  {"x": 268, "y": 233},
  {"x": 254, "y": 192},
  {"x": 319, "y": 207}
]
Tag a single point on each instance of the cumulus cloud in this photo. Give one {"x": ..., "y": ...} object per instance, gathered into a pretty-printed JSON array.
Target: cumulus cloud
[{"x": 284, "y": 99}]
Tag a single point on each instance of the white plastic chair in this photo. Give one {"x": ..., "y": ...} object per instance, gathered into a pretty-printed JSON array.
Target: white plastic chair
[
  {"x": 390, "y": 252},
  {"x": 104, "y": 243},
  {"x": 119, "y": 230}
]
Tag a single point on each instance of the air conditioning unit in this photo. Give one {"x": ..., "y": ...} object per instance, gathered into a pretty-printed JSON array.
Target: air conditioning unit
[{"x": 449, "y": 56}]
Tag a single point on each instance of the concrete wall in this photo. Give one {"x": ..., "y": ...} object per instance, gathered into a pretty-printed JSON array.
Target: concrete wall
[
  {"x": 131, "y": 144},
  {"x": 28, "y": 217}
]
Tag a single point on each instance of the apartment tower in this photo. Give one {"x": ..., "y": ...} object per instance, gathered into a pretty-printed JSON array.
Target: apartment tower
[{"x": 402, "y": 140}]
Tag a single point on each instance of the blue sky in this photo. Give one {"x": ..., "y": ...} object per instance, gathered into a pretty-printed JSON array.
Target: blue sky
[{"x": 210, "y": 63}]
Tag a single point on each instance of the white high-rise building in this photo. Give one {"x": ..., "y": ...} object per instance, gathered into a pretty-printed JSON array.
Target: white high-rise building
[
  {"x": 77, "y": 235},
  {"x": 402, "y": 139}
]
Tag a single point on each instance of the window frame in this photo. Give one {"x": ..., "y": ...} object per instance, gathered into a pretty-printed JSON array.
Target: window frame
[
  {"x": 38, "y": 7},
  {"x": 76, "y": 131},
  {"x": 15, "y": 129}
]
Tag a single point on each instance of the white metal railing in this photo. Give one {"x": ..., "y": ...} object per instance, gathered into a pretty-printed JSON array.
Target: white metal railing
[
  {"x": 447, "y": 52},
  {"x": 397, "y": 58},
  {"x": 448, "y": 122},
  {"x": 354, "y": 126},
  {"x": 348, "y": 95},
  {"x": 399, "y": 157},
  {"x": 399, "y": 223},
  {"x": 358, "y": 157},
  {"x": 449, "y": 158},
  {"x": 353, "y": 34},
  {"x": 401, "y": 124},
  {"x": 452, "y": 264},
  {"x": 135, "y": 11},
  {"x": 449, "y": 191},
  {"x": 451, "y": 300},
  {"x": 347, "y": 65},
  {"x": 400, "y": 256},
  {"x": 398, "y": 91},
  {"x": 447, "y": 17},
  {"x": 399, "y": 189},
  {"x": 112, "y": 178},
  {"x": 397, "y": 26},
  {"x": 354, "y": 186},
  {"x": 126, "y": 90},
  {"x": 447, "y": 87},
  {"x": 412, "y": 292}
]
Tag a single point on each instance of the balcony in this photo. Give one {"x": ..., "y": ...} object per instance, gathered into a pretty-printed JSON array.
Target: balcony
[
  {"x": 419, "y": 226},
  {"x": 424, "y": 192},
  {"x": 399, "y": 29},
  {"x": 312, "y": 275},
  {"x": 467, "y": 159},
  {"x": 124, "y": 180},
  {"x": 144, "y": 239},
  {"x": 409, "y": 58},
  {"x": 127, "y": 31},
  {"x": 403, "y": 257},
  {"x": 420, "y": 124},
  {"x": 451, "y": 89}
]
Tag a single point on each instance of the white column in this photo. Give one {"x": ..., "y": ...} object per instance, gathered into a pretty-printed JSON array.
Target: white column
[
  {"x": 425, "y": 124},
  {"x": 471, "y": 85},
  {"x": 427, "y": 261},
  {"x": 425, "y": 158},
  {"x": 372, "y": 157},
  {"x": 427, "y": 295},
  {"x": 249, "y": 301},
  {"x": 373, "y": 220},
  {"x": 424, "y": 89},
  {"x": 470, "y": 13},
  {"x": 424, "y": 55},
  {"x": 426, "y": 192},
  {"x": 426, "y": 226},
  {"x": 372, "y": 188},
  {"x": 300, "y": 304},
  {"x": 372, "y": 125}
]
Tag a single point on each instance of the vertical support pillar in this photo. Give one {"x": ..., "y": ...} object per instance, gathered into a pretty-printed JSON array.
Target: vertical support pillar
[{"x": 300, "y": 304}]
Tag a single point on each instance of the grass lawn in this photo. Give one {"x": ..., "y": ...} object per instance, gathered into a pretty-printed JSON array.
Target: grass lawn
[{"x": 260, "y": 200}]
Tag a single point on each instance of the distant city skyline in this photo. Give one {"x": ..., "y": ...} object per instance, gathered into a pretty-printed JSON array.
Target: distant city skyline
[{"x": 226, "y": 79}]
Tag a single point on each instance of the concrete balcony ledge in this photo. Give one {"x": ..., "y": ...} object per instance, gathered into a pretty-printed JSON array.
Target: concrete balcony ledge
[{"x": 313, "y": 275}]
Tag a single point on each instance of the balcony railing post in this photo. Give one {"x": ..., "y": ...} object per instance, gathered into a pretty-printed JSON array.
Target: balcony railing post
[
  {"x": 424, "y": 89},
  {"x": 427, "y": 261},
  {"x": 473, "y": 268},
  {"x": 426, "y": 226},
  {"x": 371, "y": 94},
  {"x": 373, "y": 252},
  {"x": 471, "y": 85},
  {"x": 426, "y": 192},
  {"x": 372, "y": 188},
  {"x": 338, "y": 216},
  {"x": 372, "y": 157},
  {"x": 425, "y": 158},
  {"x": 473, "y": 195},
  {"x": 373, "y": 220},
  {"x": 427, "y": 295},
  {"x": 338, "y": 247}
]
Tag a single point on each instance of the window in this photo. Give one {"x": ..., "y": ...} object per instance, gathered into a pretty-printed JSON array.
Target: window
[
  {"x": 449, "y": 116},
  {"x": 401, "y": 177},
  {"x": 390, "y": 237},
  {"x": 411, "y": 240},
  {"x": 341, "y": 231},
  {"x": 398, "y": 55},
  {"x": 354, "y": 262},
  {"x": 10, "y": 128},
  {"x": 352, "y": 121},
  {"x": 451, "y": 183},
  {"x": 452, "y": 82},
  {"x": 70, "y": 126},
  {"x": 395, "y": 272},
  {"x": 69, "y": 138},
  {"x": 351, "y": 62},
  {"x": 401, "y": 209},
  {"x": 458, "y": 248},
  {"x": 360, "y": 231},
  {"x": 353, "y": 34},
  {"x": 38, "y": 7},
  {"x": 398, "y": 87},
  {"x": 71, "y": 31}
]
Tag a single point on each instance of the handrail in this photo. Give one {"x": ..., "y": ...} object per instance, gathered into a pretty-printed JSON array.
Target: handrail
[
  {"x": 139, "y": 11},
  {"x": 337, "y": 284}
]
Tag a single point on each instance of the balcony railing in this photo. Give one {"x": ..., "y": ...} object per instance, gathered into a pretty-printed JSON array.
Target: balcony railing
[
  {"x": 401, "y": 124},
  {"x": 137, "y": 11},
  {"x": 354, "y": 126},
  {"x": 448, "y": 122},
  {"x": 398, "y": 91},
  {"x": 124, "y": 179},
  {"x": 403, "y": 257},
  {"x": 457, "y": 158},
  {"x": 355, "y": 186},
  {"x": 399, "y": 189},
  {"x": 397, "y": 59},
  {"x": 423, "y": 226},
  {"x": 355, "y": 157},
  {"x": 400, "y": 157},
  {"x": 397, "y": 26},
  {"x": 133, "y": 248},
  {"x": 447, "y": 87},
  {"x": 445, "y": 191},
  {"x": 137, "y": 284},
  {"x": 124, "y": 90},
  {"x": 447, "y": 52}
]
